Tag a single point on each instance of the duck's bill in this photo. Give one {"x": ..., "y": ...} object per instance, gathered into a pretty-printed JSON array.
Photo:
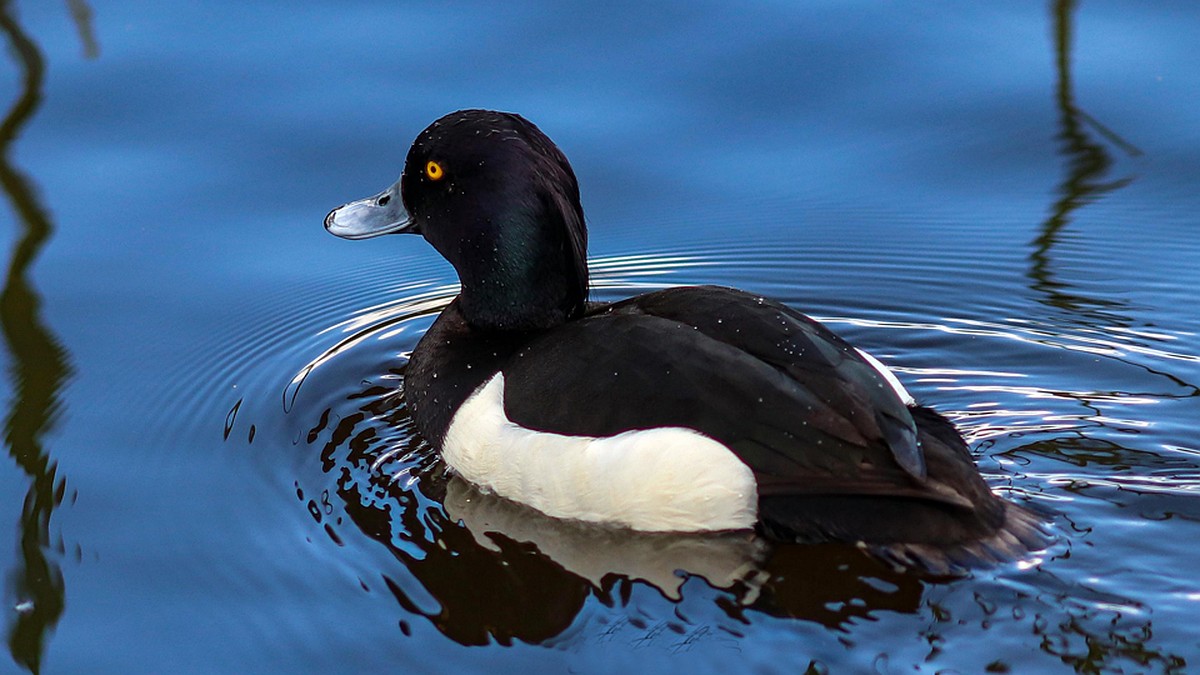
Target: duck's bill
[{"x": 382, "y": 214}]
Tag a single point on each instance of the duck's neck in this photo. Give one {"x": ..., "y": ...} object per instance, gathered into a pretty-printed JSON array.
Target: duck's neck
[{"x": 525, "y": 274}]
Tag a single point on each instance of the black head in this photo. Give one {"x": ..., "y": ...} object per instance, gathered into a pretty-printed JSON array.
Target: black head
[{"x": 498, "y": 200}]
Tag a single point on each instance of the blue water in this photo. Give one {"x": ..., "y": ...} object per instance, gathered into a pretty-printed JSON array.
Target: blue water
[{"x": 210, "y": 466}]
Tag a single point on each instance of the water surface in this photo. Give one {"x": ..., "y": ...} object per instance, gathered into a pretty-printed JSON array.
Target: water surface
[{"x": 211, "y": 464}]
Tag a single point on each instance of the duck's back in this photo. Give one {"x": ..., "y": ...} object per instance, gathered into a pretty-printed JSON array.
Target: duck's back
[{"x": 787, "y": 394}]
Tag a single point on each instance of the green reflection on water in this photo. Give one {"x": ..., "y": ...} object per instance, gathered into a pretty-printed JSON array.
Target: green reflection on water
[{"x": 40, "y": 365}]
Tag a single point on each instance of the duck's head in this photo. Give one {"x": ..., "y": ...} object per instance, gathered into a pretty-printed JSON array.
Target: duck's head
[{"x": 498, "y": 200}]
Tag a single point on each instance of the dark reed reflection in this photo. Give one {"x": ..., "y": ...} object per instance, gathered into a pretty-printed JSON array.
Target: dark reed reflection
[
  {"x": 1088, "y": 162},
  {"x": 40, "y": 367},
  {"x": 500, "y": 572},
  {"x": 1085, "y": 145},
  {"x": 81, "y": 14},
  {"x": 1077, "y": 621}
]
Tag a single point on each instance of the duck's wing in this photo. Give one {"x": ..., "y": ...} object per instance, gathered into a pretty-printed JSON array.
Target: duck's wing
[
  {"x": 811, "y": 354},
  {"x": 796, "y": 403}
]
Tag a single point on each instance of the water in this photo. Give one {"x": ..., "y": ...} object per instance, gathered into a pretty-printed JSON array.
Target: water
[{"x": 211, "y": 465}]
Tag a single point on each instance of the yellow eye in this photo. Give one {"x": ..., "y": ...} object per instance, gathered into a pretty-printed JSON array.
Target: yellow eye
[{"x": 434, "y": 170}]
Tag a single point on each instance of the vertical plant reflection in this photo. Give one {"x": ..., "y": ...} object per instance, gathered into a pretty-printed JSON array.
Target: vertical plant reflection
[
  {"x": 39, "y": 368},
  {"x": 1087, "y": 163},
  {"x": 1087, "y": 147}
]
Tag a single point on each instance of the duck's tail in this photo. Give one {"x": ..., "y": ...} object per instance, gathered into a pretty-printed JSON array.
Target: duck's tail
[
  {"x": 1012, "y": 531},
  {"x": 930, "y": 532},
  {"x": 1022, "y": 533}
]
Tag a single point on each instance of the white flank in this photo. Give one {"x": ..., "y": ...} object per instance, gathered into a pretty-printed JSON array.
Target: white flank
[
  {"x": 657, "y": 480},
  {"x": 889, "y": 376}
]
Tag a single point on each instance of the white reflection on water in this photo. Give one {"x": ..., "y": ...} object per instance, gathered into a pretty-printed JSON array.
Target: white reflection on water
[
  {"x": 630, "y": 271},
  {"x": 1176, "y": 483},
  {"x": 379, "y": 321}
]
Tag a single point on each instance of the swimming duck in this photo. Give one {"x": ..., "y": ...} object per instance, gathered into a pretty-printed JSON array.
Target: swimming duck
[{"x": 687, "y": 409}]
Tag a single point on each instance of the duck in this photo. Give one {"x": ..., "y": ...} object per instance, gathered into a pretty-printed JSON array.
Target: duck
[{"x": 691, "y": 409}]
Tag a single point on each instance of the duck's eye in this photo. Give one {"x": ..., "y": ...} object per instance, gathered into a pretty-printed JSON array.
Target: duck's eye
[{"x": 434, "y": 170}]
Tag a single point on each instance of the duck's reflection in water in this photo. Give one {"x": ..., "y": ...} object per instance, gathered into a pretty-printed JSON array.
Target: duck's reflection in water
[
  {"x": 595, "y": 553},
  {"x": 501, "y": 571}
]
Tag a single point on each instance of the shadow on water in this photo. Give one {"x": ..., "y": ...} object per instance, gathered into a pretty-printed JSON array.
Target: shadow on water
[{"x": 40, "y": 366}]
